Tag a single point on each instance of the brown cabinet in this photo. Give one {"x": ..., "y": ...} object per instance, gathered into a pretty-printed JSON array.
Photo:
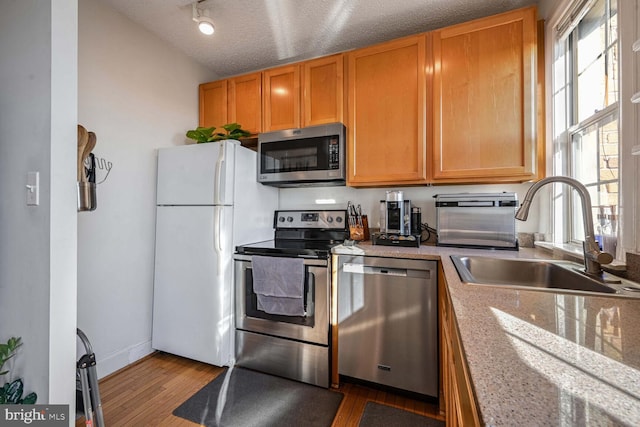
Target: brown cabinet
[
  {"x": 245, "y": 101},
  {"x": 459, "y": 402},
  {"x": 234, "y": 100},
  {"x": 484, "y": 99},
  {"x": 281, "y": 101},
  {"x": 304, "y": 94},
  {"x": 298, "y": 95},
  {"x": 386, "y": 121},
  {"x": 323, "y": 98},
  {"x": 213, "y": 104},
  {"x": 463, "y": 104}
]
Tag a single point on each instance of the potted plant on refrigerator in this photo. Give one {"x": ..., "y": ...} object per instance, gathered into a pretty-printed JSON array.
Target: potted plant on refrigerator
[{"x": 231, "y": 131}]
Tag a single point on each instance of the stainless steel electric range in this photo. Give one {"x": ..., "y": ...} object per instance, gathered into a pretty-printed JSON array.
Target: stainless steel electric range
[{"x": 295, "y": 345}]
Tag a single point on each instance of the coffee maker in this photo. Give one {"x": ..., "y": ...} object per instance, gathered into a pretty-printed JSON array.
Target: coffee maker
[
  {"x": 397, "y": 222},
  {"x": 398, "y": 214}
]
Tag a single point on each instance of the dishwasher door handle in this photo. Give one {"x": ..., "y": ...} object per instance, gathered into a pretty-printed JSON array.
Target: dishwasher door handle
[
  {"x": 365, "y": 269},
  {"x": 401, "y": 272}
]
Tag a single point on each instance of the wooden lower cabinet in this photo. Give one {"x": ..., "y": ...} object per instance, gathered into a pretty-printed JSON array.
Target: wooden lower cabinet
[{"x": 459, "y": 402}]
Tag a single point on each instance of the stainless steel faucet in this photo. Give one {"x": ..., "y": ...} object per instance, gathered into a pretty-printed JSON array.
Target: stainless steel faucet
[{"x": 593, "y": 257}]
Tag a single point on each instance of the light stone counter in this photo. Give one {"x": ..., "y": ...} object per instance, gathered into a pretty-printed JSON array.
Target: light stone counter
[{"x": 540, "y": 358}]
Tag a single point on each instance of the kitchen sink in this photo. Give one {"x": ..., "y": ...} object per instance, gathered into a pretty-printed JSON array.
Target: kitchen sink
[{"x": 545, "y": 275}]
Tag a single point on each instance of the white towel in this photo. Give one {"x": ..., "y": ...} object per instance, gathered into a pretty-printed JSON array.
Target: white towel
[{"x": 278, "y": 283}]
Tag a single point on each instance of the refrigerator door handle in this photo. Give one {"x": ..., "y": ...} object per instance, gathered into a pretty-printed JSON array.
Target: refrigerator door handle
[
  {"x": 217, "y": 228},
  {"x": 218, "y": 184}
]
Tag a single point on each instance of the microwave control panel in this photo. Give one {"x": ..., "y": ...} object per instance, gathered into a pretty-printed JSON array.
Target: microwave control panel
[{"x": 334, "y": 153}]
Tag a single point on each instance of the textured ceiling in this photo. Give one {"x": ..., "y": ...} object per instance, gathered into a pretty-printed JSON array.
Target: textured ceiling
[{"x": 256, "y": 34}]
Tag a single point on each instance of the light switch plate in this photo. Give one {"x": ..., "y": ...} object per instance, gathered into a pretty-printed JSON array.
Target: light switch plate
[{"x": 33, "y": 188}]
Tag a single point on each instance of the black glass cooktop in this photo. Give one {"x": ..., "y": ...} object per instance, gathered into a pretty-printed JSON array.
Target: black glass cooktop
[{"x": 284, "y": 247}]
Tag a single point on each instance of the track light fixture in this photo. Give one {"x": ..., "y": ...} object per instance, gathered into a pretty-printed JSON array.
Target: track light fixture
[{"x": 201, "y": 17}]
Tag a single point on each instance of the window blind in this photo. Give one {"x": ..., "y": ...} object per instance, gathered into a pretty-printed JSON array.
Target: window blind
[{"x": 572, "y": 17}]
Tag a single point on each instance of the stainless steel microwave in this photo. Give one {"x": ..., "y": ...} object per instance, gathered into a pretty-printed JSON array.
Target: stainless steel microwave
[{"x": 311, "y": 156}]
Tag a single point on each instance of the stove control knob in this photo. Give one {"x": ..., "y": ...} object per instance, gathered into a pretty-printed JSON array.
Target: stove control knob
[
  {"x": 281, "y": 219},
  {"x": 339, "y": 219},
  {"x": 329, "y": 219},
  {"x": 290, "y": 219}
]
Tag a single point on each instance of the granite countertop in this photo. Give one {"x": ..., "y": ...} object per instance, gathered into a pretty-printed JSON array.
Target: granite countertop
[{"x": 536, "y": 357}]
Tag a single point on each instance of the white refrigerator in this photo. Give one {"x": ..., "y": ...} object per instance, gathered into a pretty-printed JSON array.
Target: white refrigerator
[{"x": 208, "y": 202}]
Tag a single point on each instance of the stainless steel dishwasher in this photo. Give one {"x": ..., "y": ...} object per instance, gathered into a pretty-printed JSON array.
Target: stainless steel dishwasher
[{"x": 387, "y": 322}]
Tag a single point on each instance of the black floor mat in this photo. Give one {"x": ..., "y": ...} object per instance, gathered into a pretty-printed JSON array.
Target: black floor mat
[{"x": 243, "y": 398}]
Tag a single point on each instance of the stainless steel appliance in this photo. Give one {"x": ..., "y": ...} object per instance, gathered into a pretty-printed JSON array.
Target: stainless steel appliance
[
  {"x": 477, "y": 220},
  {"x": 398, "y": 218},
  {"x": 312, "y": 156},
  {"x": 416, "y": 220},
  {"x": 296, "y": 347},
  {"x": 388, "y": 322},
  {"x": 398, "y": 225}
]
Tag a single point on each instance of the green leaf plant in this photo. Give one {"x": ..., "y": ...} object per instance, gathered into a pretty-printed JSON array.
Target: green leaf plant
[
  {"x": 11, "y": 392},
  {"x": 231, "y": 131}
]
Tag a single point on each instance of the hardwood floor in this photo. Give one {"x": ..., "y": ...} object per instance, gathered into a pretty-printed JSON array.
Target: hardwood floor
[{"x": 146, "y": 393}]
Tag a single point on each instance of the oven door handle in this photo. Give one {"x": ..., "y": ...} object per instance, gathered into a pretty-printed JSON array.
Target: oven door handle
[{"x": 307, "y": 261}]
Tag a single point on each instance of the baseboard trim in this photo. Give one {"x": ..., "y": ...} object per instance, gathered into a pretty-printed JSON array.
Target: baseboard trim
[
  {"x": 121, "y": 359},
  {"x": 129, "y": 366}
]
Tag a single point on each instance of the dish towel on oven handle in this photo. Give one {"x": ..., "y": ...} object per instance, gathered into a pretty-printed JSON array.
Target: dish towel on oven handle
[{"x": 278, "y": 282}]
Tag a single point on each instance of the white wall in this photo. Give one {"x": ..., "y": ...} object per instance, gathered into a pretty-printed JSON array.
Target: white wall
[
  {"x": 38, "y": 47},
  {"x": 369, "y": 199},
  {"x": 137, "y": 93}
]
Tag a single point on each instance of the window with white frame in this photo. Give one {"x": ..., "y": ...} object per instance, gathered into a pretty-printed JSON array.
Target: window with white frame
[{"x": 586, "y": 118}]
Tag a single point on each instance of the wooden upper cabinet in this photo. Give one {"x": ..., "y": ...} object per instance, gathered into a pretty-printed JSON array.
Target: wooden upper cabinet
[
  {"x": 245, "y": 101},
  {"x": 463, "y": 104},
  {"x": 484, "y": 99},
  {"x": 213, "y": 104},
  {"x": 323, "y": 91},
  {"x": 281, "y": 98},
  {"x": 386, "y": 121}
]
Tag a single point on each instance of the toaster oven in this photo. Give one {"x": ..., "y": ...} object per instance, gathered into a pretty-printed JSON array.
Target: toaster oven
[{"x": 481, "y": 220}]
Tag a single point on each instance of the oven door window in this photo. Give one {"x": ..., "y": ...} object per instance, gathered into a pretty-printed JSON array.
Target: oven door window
[
  {"x": 309, "y": 154},
  {"x": 251, "y": 302}
]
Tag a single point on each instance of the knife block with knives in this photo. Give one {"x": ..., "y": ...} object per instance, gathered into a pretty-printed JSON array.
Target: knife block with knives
[{"x": 358, "y": 223}]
